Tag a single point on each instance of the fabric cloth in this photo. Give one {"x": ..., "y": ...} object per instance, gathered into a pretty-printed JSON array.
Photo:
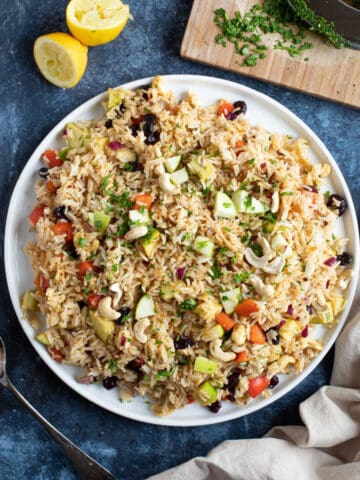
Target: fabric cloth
[{"x": 327, "y": 447}]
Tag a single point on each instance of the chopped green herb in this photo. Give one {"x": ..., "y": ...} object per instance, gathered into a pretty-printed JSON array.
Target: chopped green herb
[
  {"x": 82, "y": 242},
  {"x": 215, "y": 272},
  {"x": 256, "y": 248},
  {"x": 112, "y": 365},
  {"x": 242, "y": 277},
  {"x": 245, "y": 237},
  {"x": 88, "y": 277},
  {"x": 286, "y": 194},
  {"x": 188, "y": 304}
]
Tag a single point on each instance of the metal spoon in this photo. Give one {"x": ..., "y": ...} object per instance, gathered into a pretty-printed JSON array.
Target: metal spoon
[{"x": 86, "y": 466}]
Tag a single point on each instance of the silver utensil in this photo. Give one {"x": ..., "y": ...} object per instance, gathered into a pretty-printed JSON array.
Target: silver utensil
[{"x": 86, "y": 466}]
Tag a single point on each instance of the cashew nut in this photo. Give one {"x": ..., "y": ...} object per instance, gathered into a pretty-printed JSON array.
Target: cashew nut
[
  {"x": 216, "y": 352},
  {"x": 267, "y": 250},
  {"x": 238, "y": 335},
  {"x": 275, "y": 266},
  {"x": 115, "y": 287},
  {"x": 258, "y": 262},
  {"x": 159, "y": 169},
  {"x": 345, "y": 278},
  {"x": 136, "y": 232},
  {"x": 139, "y": 328},
  {"x": 261, "y": 287},
  {"x": 166, "y": 185},
  {"x": 275, "y": 201},
  {"x": 106, "y": 310}
]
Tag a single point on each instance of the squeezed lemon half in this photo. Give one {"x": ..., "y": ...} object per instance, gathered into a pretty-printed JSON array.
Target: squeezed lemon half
[
  {"x": 95, "y": 22},
  {"x": 61, "y": 58}
]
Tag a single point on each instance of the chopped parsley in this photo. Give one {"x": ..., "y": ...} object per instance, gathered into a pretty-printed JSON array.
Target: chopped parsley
[
  {"x": 112, "y": 365},
  {"x": 188, "y": 304},
  {"x": 215, "y": 272},
  {"x": 242, "y": 277},
  {"x": 256, "y": 248},
  {"x": 82, "y": 242}
]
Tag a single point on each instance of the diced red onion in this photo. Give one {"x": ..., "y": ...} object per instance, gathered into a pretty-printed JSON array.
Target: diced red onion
[
  {"x": 305, "y": 332},
  {"x": 116, "y": 145},
  {"x": 290, "y": 310},
  {"x": 330, "y": 261},
  {"x": 263, "y": 165},
  {"x": 327, "y": 284},
  {"x": 310, "y": 188},
  {"x": 180, "y": 272},
  {"x": 123, "y": 340},
  {"x": 64, "y": 133},
  {"x": 280, "y": 324}
]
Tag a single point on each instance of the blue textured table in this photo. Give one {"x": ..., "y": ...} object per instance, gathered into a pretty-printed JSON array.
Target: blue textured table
[{"x": 29, "y": 109}]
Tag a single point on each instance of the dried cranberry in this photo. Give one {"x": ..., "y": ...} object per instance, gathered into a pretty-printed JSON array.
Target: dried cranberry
[
  {"x": 337, "y": 202},
  {"x": 110, "y": 382},
  {"x": 344, "y": 259},
  {"x": 150, "y": 118},
  {"x": 233, "y": 380},
  {"x": 59, "y": 213},
  {"x": 272, "y": 335},
  {"x": 135, "y": 364},
  {"x": 109, "y": 123},
  {"x": 230, "y": 116},
  {"x": 182, "y": 342},
  {"x": 273, "y": 381},
  {"x": 214, "y": 407},
  {"x": 240, "y": 107}
]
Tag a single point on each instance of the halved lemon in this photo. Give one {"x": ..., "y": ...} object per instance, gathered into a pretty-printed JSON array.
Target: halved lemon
[
  {"x": 61, "y": 58},
  {"x": 95, "y": 22}
]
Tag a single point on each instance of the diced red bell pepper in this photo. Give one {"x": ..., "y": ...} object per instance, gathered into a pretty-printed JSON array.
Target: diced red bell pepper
[
  {"x": 56, "y": 354},
  {"x": 241, "y": 357},
  {"x": 225, "y": 321},
  {"x": 225, "y": 108},
  {"x": 137, "y": 120},
  {"x": 257, "y": 335},
  {"x": 86, "y": 267},
  {"x": 36, "y": 214},
  {"x": 94, "y": 299},
  {"x": 51, "y": 159},
  {"x": 64, "y": 228},
  {"x": 50, "y": 187},
  {"x": 246, "y": 308},
  {"x": 143, "y": 199},
  {"x": 258, "y": 385},
  {"x": 41, "y": 281}
]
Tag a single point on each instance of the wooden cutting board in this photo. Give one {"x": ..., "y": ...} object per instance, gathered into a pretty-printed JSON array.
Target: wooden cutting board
[{"x": 328, "y": 73}]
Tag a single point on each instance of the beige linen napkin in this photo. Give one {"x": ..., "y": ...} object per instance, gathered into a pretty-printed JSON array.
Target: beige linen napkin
[{"x": 326, "y": 448}]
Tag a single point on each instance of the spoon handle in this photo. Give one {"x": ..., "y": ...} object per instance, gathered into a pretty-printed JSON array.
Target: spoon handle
[{"x": 86, "y": 466}]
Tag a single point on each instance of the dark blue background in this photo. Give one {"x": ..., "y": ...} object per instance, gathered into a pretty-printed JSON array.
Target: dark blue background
[{"x": 30, "y": 107}]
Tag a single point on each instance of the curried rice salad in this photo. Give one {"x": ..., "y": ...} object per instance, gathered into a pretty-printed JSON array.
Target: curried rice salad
[{"x": 182, "y": 253}]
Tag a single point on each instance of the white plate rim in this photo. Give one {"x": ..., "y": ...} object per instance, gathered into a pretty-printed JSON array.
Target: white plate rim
[{"x": 151, "y": 418}]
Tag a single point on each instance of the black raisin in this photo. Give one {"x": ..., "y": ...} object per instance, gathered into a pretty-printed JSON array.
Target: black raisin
[
  {"x": 81, "y": 304},
  {"x": 233, "y": 380},
  {"x": 272, "y": 336},
  {"x": 59, "y": 213},
  {"x": 344, "y": 259},
  {"x": 182, "y": 342},
  {"x": 337, "y": 202},
  {"x": 110, "y": 382},
  {"x": 134, "y": 130},
  {"x": 109, "y": 123},
  {"x": 214, "y": 407},
  {"x": 43, "y": 172},
  {"x": 120, "y": 110},
  {"x": 240, "y": 107},
  {"x": 148, "y": 129},
  {"x": 309, "y": 309},
  {"x": 135, "y": 364},
  {"x": 149, "y": 118},
  {"x": 274, "y": 381},
  {"x": 152, "y": 139}
]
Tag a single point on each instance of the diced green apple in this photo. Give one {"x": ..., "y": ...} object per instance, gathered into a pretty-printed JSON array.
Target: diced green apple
[
  {"x": 205, "y": 365},
  {"x": 145, "y": 307},
  {"x": 224, "y": 207}
]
